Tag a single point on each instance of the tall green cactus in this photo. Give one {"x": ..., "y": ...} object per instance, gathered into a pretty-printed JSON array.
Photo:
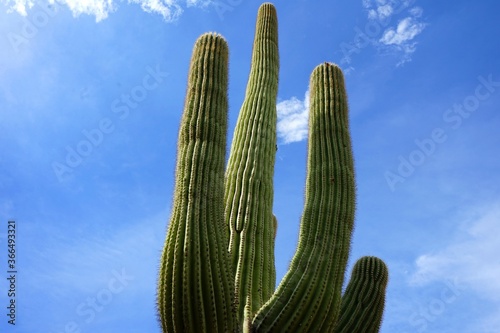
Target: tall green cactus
[
  {"x": 309, "y": 294},
  {"x": 217, "y": 269},
  {"x": 249, "y": 176},
  {"x": 195, "y": 291}
]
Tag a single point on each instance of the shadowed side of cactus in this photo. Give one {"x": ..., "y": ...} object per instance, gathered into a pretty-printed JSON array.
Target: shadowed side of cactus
[
  {"x": 308, "y": 297},
  {"x": 195, "y": 287},
  {"x": 364, "y": 299},
  {"x": 249, "y": 176}
]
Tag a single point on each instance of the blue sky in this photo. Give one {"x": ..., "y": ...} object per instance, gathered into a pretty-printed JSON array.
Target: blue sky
[{"x": 91, "y": 94}]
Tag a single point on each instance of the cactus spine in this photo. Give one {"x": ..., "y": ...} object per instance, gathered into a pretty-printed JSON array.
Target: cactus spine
[
  {"x": 249, "y": 175},
  {"x": 217, "y": 269},
  {"x": 308, "y": 298},
  {"x": 364, "y": 298},
  {"x": 195, "y": 290}
]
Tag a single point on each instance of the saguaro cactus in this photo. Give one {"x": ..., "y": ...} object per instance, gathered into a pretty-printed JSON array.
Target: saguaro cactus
[
  {"x": 309, "y": 294},
  {"x": 217, "y": 269},
  {"x": 195, "y": 290},
  {"x": 250, "y": 170}
]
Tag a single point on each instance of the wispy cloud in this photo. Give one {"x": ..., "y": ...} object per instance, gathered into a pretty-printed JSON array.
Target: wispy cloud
[
  {"x": 168, "y": 9},
  {"x": 400, "y": 37},
  {"x": 293, "y": 119},
  {"x": 379, "y": 13},
  {"x": 89, "y": 276},
  {"x": 471, "y": 258},
  {"x": 383, "y": 9},
  {"x": 406, "y": 30},
  {"x": 19, "y": 6},
  {"x": 78, "y": 266}
]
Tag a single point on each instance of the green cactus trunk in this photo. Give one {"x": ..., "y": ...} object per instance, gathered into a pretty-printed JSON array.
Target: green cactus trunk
[
  {"x": 249, "y": 176},
  {"x": 308, "y": 298},
  {"x": 195, "y": 290},
  {"x": 217, "y": 269}
]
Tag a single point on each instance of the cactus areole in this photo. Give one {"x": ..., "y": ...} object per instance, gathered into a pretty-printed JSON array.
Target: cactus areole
[{"x": 217, "y": 271}]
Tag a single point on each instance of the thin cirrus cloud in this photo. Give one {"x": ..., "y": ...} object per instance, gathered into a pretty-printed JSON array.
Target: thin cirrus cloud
[
  {"x": 471, "y": 258},
  {"x": 168, "y": 9},
  {"x": 471, "y": 261}
]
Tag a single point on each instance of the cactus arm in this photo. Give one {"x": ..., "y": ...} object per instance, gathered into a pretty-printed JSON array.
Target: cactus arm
[
  {"x": 250, "y": 171},
  {"x": 308, "y": 298},
  {"x": 363, "y": 302},
  {"x": 195, "y": 288}
]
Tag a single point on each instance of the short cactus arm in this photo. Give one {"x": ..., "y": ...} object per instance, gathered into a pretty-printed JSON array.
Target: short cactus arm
[
  {"x": 308, "y": 298},
  {"x": 249, "y": 176},
  {"x": 364, "y": 299},
  {"x": 195, "y": 287}
]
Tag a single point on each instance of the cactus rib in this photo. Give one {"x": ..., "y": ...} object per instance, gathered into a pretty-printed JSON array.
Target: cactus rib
[
  {"x": 195, "y": 292},
  {"x": 308, "y": 298},
  {"x": 363, "y": 301},
  {"x": 250, "y": 171},
  {"x": 217, "y": 270}
]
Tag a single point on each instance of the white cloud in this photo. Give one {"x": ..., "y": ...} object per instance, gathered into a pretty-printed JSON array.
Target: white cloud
[
  {"x": 416, "y": 11},
  {"x": 19, "y": 6},
  {"x": 293, "y": 117},
  {"x": 381, "y": 12},
  {"x": 407, "y": 29},
  {"x": 99, "y": 8},
  {"x": 472, "y": 257},
  {"x": 385, "y": 11},
  {"x": 168, "y": 9},
  {"x": 399, "y": 39}
]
